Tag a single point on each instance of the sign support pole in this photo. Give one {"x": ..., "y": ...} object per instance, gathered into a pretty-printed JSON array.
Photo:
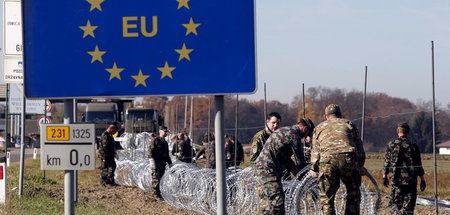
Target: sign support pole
[
  {"x": 220, "y": 156},
  {"x": 22, "y": 146},
  {"x": 69, "y": 208},
  {"x": 75, "y": 176},
  {"x": 7, "y": 138}
]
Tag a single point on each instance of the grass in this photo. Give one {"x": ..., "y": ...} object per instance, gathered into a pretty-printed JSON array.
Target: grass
[
  {"x": 375, "y": 162},
  {"x": 46, "y": 195},
  {"x": 43, "y": 195}
]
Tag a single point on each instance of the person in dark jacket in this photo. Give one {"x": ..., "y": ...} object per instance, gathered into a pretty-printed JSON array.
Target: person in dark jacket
[
  {"x": 158, "y": 154},
  {"x": 234, "y": 152},
  {"x": 107, "y": 153}
]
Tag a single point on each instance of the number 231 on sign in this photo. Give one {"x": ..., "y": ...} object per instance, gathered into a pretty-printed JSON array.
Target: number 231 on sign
[{"x": 58, "y": 133}]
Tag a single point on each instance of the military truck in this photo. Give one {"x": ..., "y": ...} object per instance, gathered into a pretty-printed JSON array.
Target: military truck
[
  {"x": 142, "y": 120},
  {"x": 101, "y": 114}
]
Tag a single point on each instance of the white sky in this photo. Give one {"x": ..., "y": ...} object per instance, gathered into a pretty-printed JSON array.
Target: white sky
[{"x": 329, "y": 42}]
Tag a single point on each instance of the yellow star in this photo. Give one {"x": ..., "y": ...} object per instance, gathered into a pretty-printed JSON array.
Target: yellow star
[
  {"x": 88, "y": 29},
  {"x": 97, "y": 55},
  {"x": 191, "y": 27},
  {"x": 184, "y": 53},
  {"x": 140, "y": 79},
  {"x": 115, "y": 72},
  {"x": 183, "y": 3},
  {"x": 166, "y": 70},
  {"x": 95, "y": 4}
]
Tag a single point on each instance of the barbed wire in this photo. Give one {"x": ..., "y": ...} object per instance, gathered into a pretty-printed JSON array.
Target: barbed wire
[{"x": 188, "y": 186}]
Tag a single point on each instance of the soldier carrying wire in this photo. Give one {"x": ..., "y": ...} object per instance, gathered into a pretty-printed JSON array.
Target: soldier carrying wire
[{"x": 283, "y": 150}]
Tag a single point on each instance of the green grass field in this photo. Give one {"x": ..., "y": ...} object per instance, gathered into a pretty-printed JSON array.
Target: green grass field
[{"x": 46, "y": 195}]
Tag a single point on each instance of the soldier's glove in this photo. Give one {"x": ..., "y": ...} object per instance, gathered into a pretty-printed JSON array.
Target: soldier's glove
[
  {"x": 313, "y": 173},
  {"x": 386, "y": 182},
  {"x": 423, "y": 185},
  {"x": 362, "y": 171}
]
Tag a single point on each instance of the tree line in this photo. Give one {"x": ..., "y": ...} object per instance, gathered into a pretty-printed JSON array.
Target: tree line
[{"x": 383, "y": 113}]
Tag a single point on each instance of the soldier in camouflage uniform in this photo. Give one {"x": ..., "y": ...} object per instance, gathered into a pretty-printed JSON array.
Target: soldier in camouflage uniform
[
  {"x": 208, "y": 151},
  {"x": 337, "y": 155},
  {"x": 234, "y": 152},
  {"x": 283, "y": 150},
  {"x": 107, "y": 152},
  {"x": 158, "y": 154},
  {"x": 272, "y": 124},
  {"x": 184, "y": 151},
  {"x": 403, "y": 161}
]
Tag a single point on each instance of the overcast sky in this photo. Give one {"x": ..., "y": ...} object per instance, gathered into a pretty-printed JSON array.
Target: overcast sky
[{"x": 329, "y": 42}]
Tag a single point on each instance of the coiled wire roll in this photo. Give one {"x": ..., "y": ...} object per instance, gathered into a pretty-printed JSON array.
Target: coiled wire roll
[{"x": 191, "y": 187}]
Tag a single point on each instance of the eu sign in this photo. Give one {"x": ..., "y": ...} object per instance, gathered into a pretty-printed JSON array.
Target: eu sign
[{"x": 88, "y": 48}]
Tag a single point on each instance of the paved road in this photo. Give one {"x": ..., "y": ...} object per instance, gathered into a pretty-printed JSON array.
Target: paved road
[{"x": 15, "y": 154}]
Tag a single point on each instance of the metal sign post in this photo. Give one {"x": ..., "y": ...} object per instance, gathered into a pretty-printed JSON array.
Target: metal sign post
[
  {"x": 220, "y": 156},
  {"x": 68, "y": 147},
  {"x": 22, "y": 147}
]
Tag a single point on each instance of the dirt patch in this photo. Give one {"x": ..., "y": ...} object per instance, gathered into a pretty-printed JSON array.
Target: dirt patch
[
  {"x": 130, "y": 199},
  {"x": 419, "y": 209}
]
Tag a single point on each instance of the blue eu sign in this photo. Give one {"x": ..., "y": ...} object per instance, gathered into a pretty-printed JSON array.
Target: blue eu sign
[{"x": 101, "y": 48}]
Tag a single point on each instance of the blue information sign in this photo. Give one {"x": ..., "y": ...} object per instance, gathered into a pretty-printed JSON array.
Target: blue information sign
[{"x": 102, "y": 48}]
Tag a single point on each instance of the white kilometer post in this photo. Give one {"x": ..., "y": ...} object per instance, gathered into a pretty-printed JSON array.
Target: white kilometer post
[
  {"x": 3, "y": 187},
  {"x": 67, "y": 147}
]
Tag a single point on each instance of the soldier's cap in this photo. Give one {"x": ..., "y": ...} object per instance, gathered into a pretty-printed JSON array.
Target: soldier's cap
[
  {"x": 164, "y": 128},
  {"x": 333, "y": 109}
]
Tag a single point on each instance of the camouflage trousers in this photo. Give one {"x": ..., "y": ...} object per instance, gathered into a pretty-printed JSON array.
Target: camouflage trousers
[
  {"x": 107, "y": 169},
  {"x": 271, "y": 195},
  {"x": 403, "y": 198},
  {"x": 157, "y": 174},
  {"x": 332, "y": 170}
]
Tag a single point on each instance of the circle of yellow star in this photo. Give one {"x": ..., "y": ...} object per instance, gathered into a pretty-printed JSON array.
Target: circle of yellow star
[
  {"x": 88, "y": 29},
  {"x": 166, "y": 70},
  {"x": 191, "y": 27},
  {"x": 183, "y": 3},
  {"x": 95, "y": 4},
  {"x": 140, "y": 79},
  {"x": 97, "y": 55},
  {"x": 115, "y": 72},
  {"x": 184, "y": 53}
]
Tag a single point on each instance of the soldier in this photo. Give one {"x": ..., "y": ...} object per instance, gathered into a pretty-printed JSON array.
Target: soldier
[
  {"x": 272, "y": 123},
  {"x": 184, "y": 151},
  {"x": 403, "y": 160},
  {"x": 337, "y": 154},
  {"x": 159, "y": 156},
  {"x": 208, "y": 151},
  {"x": 107, "y": 152},
  {"x": 233, "y": 151},
  {"x": 283, "y": 150}
]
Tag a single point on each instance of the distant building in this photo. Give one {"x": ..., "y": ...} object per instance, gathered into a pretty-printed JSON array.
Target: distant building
[{"x": 444, "y": 148}]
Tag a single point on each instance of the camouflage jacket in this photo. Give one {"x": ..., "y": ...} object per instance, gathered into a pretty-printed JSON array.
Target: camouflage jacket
[
  {"x": 106, "y": 147},
  {"x": 282, "y": 151},
  {"x": 335, "y": 136},
  {"x": 258, "y": 142},
  {"x": 403, "y": 160},
  {"x": 210, "y": 152},
  {"x": 184, "y": 148},
  {"x": 159, "y": 151},
  {"x": 231, "y": 151}
]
